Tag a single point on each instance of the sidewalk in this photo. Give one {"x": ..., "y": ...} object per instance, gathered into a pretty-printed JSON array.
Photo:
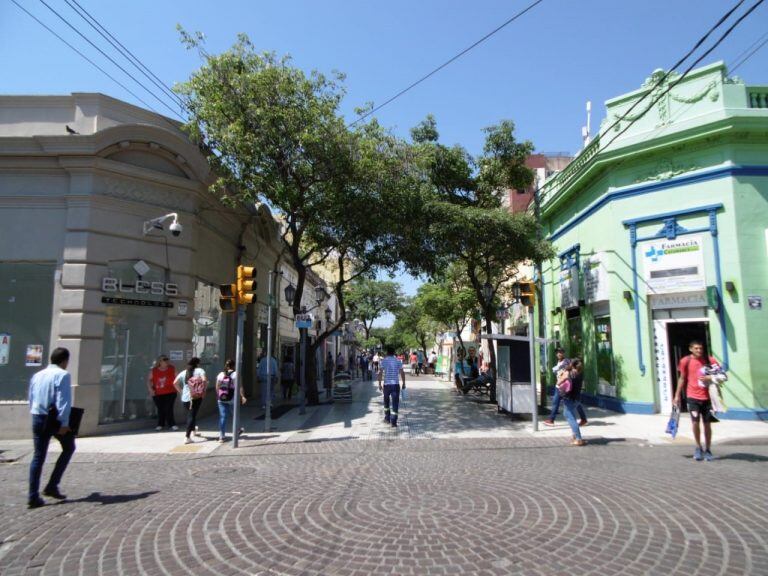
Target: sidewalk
[{"x": 433, "y": 411}]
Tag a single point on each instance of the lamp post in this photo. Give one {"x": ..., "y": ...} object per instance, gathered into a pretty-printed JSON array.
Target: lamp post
[{"x": 488, "y": 294}]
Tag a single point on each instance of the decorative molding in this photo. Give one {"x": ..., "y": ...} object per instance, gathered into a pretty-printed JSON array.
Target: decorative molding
[
  {"x": 128, "y": 189},
  {"x": 710, "y": 89},
  {"x": 665, "y": 170}
]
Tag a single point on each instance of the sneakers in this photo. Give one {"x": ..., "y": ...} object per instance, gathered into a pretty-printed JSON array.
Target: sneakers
[
  {"x": 578, "y": 442},
  {"x": 54, "y": 493},
  {"x": 698, "y": 455},
  {"x": 159, "y": 428},
  {"x": 188, "y": 440},
  {"x": 36, "y": 503},
  {"x": 222, "y": 439},
  {"x": 175, "y": 428},
  {"x": 583, "y": 422},
  {"x": 197, "y": 431},
  {"x": 708, "y": 456},
  {"x": 549, "y": 422}
]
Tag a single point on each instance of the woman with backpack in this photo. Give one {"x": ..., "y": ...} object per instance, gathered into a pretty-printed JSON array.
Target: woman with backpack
[
  {"x": 569, "y": 383},
  {"x": 192, "y": 384},
  {"x": 225, "y": 393}
]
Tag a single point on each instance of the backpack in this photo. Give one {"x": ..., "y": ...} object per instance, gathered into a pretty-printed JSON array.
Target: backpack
[
  {"x": 196, "y": 386},
  {"x": 226, "y": 387}
]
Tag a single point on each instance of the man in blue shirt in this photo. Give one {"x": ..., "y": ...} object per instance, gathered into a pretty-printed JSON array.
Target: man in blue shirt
[
  {"x": 50, "y": 387},
  {"x": 267, "y": 388},
  {"x": 391, "y": 368}
]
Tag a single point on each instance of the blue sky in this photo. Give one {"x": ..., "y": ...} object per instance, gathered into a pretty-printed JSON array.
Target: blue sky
[{"x": 539, "y": 71}]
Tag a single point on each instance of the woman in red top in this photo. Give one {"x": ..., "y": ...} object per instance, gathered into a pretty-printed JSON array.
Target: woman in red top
[{"x": 161, "y": 388}]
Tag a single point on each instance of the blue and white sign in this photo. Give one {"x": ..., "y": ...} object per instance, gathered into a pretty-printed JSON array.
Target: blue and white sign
[{"x": 673, "y": 265}]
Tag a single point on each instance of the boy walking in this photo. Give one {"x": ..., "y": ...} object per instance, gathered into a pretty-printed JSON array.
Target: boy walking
[{"x": 391, "y": 368}]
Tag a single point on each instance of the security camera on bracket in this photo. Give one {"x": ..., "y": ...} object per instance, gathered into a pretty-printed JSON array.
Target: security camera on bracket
[{"x": 157, "y": 224}]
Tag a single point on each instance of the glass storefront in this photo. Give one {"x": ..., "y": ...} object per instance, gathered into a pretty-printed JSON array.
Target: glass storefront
[
  {"x": 133, "y": 338},
  {"x": 606, "y": 373},
  {"x": 209, "y": 339},
  {"x": 26, "y": 305}
]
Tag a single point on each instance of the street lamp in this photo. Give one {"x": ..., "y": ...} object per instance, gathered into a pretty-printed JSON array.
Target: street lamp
[
  {"x": 328, "y": 313},
  {"x": 290, "y": 294}
]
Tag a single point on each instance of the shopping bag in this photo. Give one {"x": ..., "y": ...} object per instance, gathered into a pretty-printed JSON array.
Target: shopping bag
[
  {"x": 674, "y": 422},
  {"x": 404, "y": 394}
]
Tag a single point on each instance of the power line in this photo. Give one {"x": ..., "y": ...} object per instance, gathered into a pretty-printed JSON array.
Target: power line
[
  {"x": 736, "y": 65},
  {"x": 99, "y": 68},
  {"x": 120, "y": 47},
  {"x": 447, "y": 62},
  {"x": 658, "y": 97},
  {"x": 108, "y": 57}
]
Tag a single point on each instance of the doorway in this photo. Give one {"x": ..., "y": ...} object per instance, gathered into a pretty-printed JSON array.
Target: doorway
[
  {"x": 679, "y": 337},
  {"x": 672, "y": 336}
]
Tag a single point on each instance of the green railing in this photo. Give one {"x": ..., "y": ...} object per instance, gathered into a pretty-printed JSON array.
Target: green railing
[{"x": 758, "y": 97}]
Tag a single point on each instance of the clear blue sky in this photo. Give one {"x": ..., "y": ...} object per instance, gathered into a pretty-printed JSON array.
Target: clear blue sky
[{"x": 539, "y": 71}]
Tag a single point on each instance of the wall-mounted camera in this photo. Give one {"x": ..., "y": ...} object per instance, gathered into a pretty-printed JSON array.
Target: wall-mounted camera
[{"x": 157, "y": 224}]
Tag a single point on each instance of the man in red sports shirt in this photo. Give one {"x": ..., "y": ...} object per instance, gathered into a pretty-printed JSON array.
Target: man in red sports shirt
[{"x": 697, "y": 395}]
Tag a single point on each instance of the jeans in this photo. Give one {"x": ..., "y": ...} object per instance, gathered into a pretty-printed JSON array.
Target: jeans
[
  {"x": 41, "y": 440},
  {"x": 225, "y": 411},
  {"x": 556, "y": 399},
  {"x": 570, "y": 407},
  {"x": 192, "y": 409},
  {"x": 391, "y": 392},
  {"x": 164, "y": 403}
]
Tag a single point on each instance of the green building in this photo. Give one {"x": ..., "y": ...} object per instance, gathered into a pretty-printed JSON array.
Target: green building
[{"x": 661, "y": 229}]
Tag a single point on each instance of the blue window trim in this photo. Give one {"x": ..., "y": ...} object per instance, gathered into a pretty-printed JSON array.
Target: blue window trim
[{"x": 671, "y": 229}]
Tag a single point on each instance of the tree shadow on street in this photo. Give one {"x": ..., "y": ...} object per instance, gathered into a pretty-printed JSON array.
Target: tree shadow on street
[{"x": 99, "y": 498}]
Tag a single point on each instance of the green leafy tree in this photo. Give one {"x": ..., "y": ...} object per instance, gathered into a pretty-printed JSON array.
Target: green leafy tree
[
  {"x": 368, "y": 300},
  {"x": 465, "y": 220},
  {"x": 275, "y": 134},
  {"x": 450, "y": 300},
  {"x": 417, "y": 329}
]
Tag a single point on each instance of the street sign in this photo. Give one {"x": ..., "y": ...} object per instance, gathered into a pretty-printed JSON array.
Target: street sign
[{"x": 303, "y": 323}]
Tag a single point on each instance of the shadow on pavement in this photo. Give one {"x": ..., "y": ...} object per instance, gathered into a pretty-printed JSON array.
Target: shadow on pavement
[
  {"x": 99, "y": 498},
  {"x": 743, "y": 457}
]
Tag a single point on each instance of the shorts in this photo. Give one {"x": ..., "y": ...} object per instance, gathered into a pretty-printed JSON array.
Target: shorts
[{"x": 700, "y": 409}]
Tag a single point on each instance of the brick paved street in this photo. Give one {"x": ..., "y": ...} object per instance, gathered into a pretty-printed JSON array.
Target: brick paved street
[{"x": 397, "y": 502}]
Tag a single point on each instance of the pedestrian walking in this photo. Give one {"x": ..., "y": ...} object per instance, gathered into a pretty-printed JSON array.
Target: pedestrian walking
[
  {"x": 163, "y": 392},
  {"x": 376, "y": 361},
  {"x": 328, "y": 375},
  {"x": 432, "y": 362},
  {"x": 570, "y": 382},
  {"x": 414, "y": 363},
  {"x": 696, "y": 383},
  {"x": 267, "y": 385},
  {"x": 225, "y": 394},
  {"x": 562, "y": 364},
  {"x": 419, "y": 362},
  {"x": 363, "y": 359},
  {"x": 50, "y": 404},
  {"x": 391, "y": 368},
  {"x": 192, "y": 384},
  {"x": 339, "y": 362},
  {"x": 287, "y": 377}
]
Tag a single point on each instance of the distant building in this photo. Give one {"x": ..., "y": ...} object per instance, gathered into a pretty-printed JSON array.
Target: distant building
[{"x": 544, "y": 167}]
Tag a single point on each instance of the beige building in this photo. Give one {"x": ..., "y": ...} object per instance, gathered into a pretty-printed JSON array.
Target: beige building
[{"x": 112, "y": 246}]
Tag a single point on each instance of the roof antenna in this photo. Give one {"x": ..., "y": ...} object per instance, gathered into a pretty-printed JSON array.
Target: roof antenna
[{"x": 585, "y": 129}]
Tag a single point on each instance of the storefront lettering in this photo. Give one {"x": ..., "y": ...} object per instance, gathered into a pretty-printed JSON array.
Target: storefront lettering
[{"x": 139, "y": 287}]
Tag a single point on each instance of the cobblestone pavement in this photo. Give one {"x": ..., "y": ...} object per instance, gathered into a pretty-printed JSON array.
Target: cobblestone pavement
[{"x": 407, "y": 503}]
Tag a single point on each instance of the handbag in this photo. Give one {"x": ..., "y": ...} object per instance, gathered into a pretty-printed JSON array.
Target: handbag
[{"x": 674, "y": 422}]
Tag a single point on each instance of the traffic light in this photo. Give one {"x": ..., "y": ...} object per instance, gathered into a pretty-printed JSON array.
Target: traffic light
[
  {"x": 228, "y": 298},
  {"x": 527, "y": 293},
  {"x": 245, "y": 284}
]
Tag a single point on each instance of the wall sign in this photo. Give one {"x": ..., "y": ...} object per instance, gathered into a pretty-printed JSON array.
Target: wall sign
[
  {"x": 673, "y": 265},
  {"x": 5, "y": 349},
  {"x": 135, "y": 302},
  {"x": 181, "y": 307},
  {"x": 109, "y": 284},
  {"x": 569, "y": 287},
  {"x": 679, "y": 300},
  {"x": 34, "y": 356},
  {"x": 755, "y": 302},
  {"x": 595, "y": 278}
]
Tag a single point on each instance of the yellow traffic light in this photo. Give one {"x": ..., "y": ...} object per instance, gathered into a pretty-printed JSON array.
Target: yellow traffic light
[
  {"x": 245, "y": 284},
  {"x": 527, "y": 293},
  {"x": 228, "y": 298}
]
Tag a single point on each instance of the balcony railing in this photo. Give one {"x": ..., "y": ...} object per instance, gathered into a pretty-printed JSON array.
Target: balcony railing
[
  {"x": 758, "y": 97},
  {"x": 555, "y": 185}
]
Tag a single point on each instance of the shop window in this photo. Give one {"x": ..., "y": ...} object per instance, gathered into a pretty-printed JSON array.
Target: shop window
[
  {"x": 26, "y": 307},
  {"x": 209, "y": 339},
  {"x": 606, "y": 373}
]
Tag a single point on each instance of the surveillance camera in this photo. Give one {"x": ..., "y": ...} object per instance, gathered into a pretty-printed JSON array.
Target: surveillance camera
[{"x": 175, "y": 228}]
